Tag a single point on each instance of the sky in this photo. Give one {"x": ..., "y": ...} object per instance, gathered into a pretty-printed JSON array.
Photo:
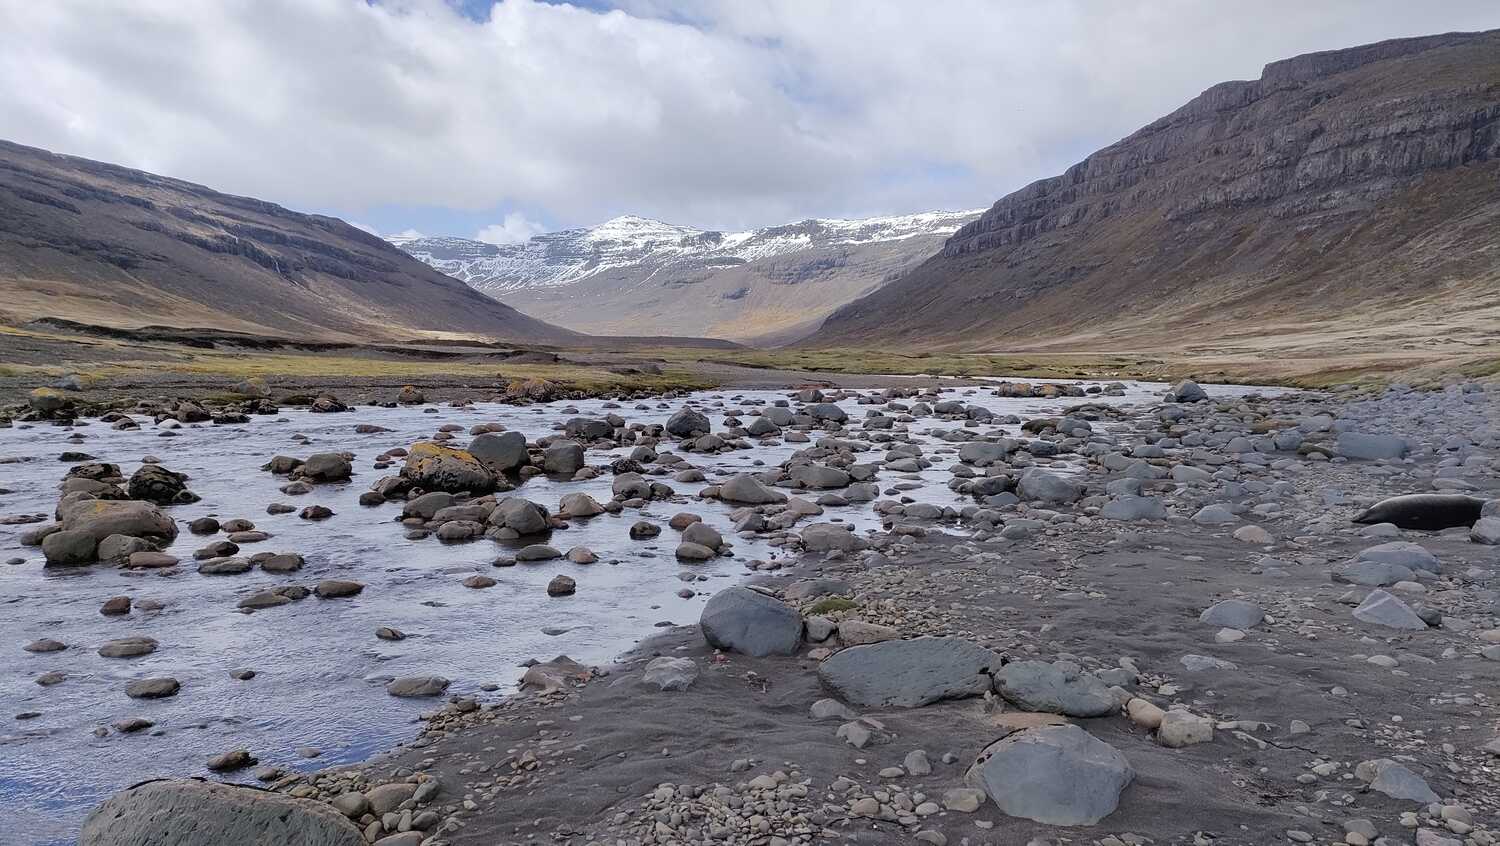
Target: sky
[{"x": 500, "y": 120}]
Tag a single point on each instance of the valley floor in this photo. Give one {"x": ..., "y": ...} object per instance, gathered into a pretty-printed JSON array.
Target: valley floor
[{"x": 113, "y": 364}]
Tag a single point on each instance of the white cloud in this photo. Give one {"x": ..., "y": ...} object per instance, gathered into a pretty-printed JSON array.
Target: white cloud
[
  {"x": 365, "y": 226},
  {"x": 724, "y": 114},
  {"x": 513, "y": 230}
]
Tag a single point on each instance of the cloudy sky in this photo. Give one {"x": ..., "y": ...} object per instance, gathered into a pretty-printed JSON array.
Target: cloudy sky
[{"x": 500, "y": 120}]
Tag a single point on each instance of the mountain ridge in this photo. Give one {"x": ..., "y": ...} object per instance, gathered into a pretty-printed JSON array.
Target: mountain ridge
[
  {"x": 637, "y": 275},
  {"x": 1255, "y": 199},
  {"x": 116, "y": 246}
]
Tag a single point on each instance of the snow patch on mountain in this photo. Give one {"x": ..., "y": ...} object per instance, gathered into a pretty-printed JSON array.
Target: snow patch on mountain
[{"x": 648, "y": 246}]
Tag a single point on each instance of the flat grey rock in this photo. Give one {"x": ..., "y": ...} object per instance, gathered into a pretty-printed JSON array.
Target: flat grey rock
[
  {"x": 670, "y": 673},
  {"x": 1395, "y": 780},
  {"x": 1404, "y": 553},
  {"x": 745, "y": 489},
  {"x": 908, "y": 673},
  {"x": 187, "y": 812},
  {"x": 1371, "y": 447},
  {"x": 1131, "y": 508},
  {"x": 1057, "y": 775},
  {"x": 1373, "y": 573},
  {"x": 1203, "y": 663},
  {"x": 1384, "y": 609},
  {"x": 1060, "y": 688},
  {"x": 412, "y": 686},
  {"x": 1048, "y": 487},
  {"x": 1232, "y": 614}
]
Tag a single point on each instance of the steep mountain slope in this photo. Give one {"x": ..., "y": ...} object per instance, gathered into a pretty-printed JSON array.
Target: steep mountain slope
[
  {"x": 1345, "y": 197},
  {"x": 632, "y": 275},
  {"x": 107, "y": 245}
]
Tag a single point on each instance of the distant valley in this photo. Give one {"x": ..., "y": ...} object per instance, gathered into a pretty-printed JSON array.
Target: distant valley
[{"x": 634, "y": 276}]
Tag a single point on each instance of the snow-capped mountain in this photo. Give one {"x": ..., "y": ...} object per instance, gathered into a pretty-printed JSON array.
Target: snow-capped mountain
[{"x": 566, "y": 257}]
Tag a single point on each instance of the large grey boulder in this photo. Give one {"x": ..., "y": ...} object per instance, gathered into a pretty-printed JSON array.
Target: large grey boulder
[
  {"x": 578, "y": 504},
  {"x": 585, "y": 429},
  {"x": 740, "y": 619},
  {"x": 155, "y": 483},
  {"x": 100, "y": 518},
  {"x": 501, "y": 452},
  {"x": 1486, "y": 530},
  {"x": 1060, "y": 688},
  {"x": 1404, "y": 553},
  {"x": 1384, "y": 609},
  {"x": 1057, "y": 775},
  {"x": 1188, "y": 391},
  {"x": 1131, "y": 508},
  {"x": 908, "y": 673},
  {"x": 670, "y": 673},
  {"x": 745, "y": 489},
  {"x": 818, "y": 477},
  {"x": 1232, "y": 614},
  {"x": 822, "y": 537},
  {"x": 1371, "y": 447},
  {"x": 686, "y": 423},
  {"x": 325, "y": 467},
  {"x": 1214, "y": 515},
  {"x": 417, "y": 686},
  {"x": 703, "y": 534},
  {"x": 427, "y": 505},
  {"x": 521, "y": 516},
  {"x": 563, "y": 458},
  {"x": 983, "y": 453},
  {"x": 1395, "y": 780},
  {"x": 434, "y": 467},
  {"x": 71, "y": 549},
  {"x": 1373, "y": 573},
  {"x": 1048, "y": 487},
  {"x": 188, "y": 812},
  {"x": 779, "y": 416},
  {"x": 761, "y": 426},
  {"x": 630, "y": 486},
  {"x": 826, "y": 411}
]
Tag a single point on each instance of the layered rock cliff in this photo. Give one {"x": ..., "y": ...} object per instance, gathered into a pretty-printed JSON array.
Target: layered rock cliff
[{"x": 1352, "y": 179}]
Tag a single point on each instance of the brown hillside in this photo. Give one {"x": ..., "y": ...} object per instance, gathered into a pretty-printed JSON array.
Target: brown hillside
[
  {"x": 108, "y": 245},
  {"x": 1348, "y": 197}
]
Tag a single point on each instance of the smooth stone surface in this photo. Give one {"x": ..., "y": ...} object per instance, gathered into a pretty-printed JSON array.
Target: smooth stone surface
[
  {"x": 1060, "y": 688},
  {"x": 1058, "y": 775},
  {"x": 908, "y": 673},
  {"x": 184, "y": 812},
  {"x": 740, "y": 619}
]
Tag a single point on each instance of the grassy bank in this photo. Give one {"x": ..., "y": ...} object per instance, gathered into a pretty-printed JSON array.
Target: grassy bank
[{"x": 1301, "y": 370}]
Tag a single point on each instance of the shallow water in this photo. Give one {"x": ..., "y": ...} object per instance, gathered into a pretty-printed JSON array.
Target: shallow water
[{"x": 320, "y": 668}]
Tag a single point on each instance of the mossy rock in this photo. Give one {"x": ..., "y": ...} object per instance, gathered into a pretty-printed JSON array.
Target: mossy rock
[{"x": 832, "y": 605}]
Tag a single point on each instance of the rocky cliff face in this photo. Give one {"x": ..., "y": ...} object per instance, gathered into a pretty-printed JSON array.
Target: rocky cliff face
[
  {"x": 109, "y": 245},
  {"x": 1290, "y": 186},
  {"x": 636, "y": 276}
]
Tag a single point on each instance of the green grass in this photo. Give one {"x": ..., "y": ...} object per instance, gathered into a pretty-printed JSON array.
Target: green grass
[
  {"x": 590, "y": 379},
  {"x": 879, "y": 362},
  {"x": 831, "y": 605}
]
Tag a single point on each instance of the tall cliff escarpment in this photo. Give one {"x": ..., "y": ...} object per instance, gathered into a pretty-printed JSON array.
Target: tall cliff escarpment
[{"x": 1353, "y": 184}]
